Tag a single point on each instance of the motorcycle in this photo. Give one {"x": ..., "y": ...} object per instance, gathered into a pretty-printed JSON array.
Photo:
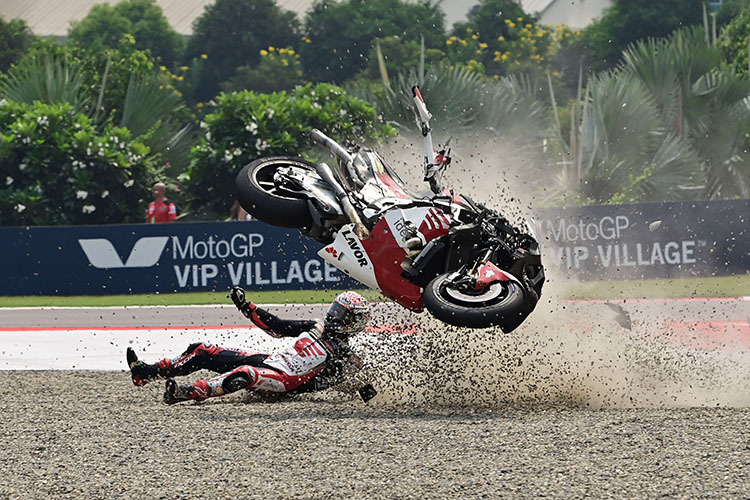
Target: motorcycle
[{"x": 463, "y": 262}]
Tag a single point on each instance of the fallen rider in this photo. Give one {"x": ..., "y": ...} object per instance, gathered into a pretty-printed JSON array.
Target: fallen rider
[{"x": 319, "y": 358}]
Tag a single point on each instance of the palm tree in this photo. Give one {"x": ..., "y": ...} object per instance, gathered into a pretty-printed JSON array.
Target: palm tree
[
  {"x": 620, "y": 150},
  {"x": 148, "y": 110},
  {"x": 679, "y": 133}
]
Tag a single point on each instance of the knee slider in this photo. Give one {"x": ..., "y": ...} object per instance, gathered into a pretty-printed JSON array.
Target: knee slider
[{"x": 241, "y": 379}]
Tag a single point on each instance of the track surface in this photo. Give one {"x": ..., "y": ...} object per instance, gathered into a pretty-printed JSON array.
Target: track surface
[{"x": 460, "y": 415}]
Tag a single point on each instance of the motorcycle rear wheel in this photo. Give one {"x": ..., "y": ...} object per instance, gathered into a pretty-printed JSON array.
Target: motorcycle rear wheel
[
  {"x": 502, "y": 304},
  {"x": 260, "y": 197}
]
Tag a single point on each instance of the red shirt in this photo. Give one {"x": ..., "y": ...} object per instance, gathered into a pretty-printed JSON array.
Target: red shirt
[{"x": 161, "y": 211}]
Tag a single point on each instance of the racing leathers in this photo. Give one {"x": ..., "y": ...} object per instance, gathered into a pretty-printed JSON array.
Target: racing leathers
[{"x": 315, "y": 361}]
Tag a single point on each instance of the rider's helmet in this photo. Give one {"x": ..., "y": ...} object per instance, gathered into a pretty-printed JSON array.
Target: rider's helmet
[{"x": 348, "y": 315}]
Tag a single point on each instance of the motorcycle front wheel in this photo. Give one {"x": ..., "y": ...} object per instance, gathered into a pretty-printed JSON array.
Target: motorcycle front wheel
[
  {"x": 501, "y": 304},
  {"x": 261, "y": 198}
]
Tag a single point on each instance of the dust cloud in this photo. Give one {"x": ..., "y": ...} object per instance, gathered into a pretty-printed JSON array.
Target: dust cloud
[
  {"x": 565, "y": 354},
  {"x": 593, "y": 355}
]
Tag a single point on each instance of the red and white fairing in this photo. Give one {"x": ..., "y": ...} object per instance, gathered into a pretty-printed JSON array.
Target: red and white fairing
[{"x": 376, "y": 260}]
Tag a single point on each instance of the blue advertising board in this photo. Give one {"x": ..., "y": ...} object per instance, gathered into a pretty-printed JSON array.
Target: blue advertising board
[
  {"x": 163, "y": 258},
  {"x": 653, "y": 240},
  {"x": 648, "y": 240}
]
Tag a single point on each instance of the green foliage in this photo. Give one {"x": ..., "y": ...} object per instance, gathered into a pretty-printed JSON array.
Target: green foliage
[
  {"x": 15, "y": 39},
  {"x": 279, "y": 69},
  {"x": 119, "y": 86},
  {"x": 342, "y": 34},
  {"x": 106, "y": 25},
  {"x": 231, "y": 34},
  {"x": 729, "y": 10},
  {"x": 246, "y": 126},
  {"x": 669, "y": 123},
  {"x": 56, "y": 167},
  {"x": 628, "y": 21},
  {"x": 399, "y": 55},
  {"x": 735, "y": 42},
  {"x": 48, "y": 80},
  {"x": 490, "y": 29}
]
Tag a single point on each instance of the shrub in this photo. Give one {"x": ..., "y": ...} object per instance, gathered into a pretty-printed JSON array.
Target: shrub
[
  {"x": 247, "y": 125},
  {"x": 57, "y": 168}
]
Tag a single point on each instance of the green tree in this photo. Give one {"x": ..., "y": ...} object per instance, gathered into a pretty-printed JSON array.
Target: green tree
[
  {"x": 669, "y": 123},
  {"x": 105, "y": 26},
  {"x": 57, "y": 167},
  {"x": 246, "y": 126},
  {"x": 627, "y": 21},
  {"x": 734, "y": 42},
  {"x": 120, "y": 100},
  {"x": 15, "y": 39},
  {"x": 231, "y": 34},
  {"x": 279, "y": 69},
  {"x": 399, "y": 56},
  {"x": 729, "y": 10},
  {"x": 341, "y": 35}
]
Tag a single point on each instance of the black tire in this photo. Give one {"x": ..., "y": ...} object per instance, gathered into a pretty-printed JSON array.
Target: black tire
[
  {"x": 261, "y": 199},
  {"x": 505, "y": 307}
]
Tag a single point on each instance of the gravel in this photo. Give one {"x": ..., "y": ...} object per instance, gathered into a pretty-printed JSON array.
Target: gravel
[{"x": 92, "y": 435}]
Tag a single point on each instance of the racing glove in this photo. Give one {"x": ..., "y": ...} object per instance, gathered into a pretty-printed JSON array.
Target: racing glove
[{"x": 237, "y": 295}]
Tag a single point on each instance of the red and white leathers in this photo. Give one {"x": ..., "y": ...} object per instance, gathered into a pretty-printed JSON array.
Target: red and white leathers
[{"x": 312, "y": 362}]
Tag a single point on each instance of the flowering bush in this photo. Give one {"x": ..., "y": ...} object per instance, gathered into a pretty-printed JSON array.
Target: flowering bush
[
  {"x": 56, "y": 168},
  {"x": 246, "y": 126},
  {"x": 279, "y": 69}
]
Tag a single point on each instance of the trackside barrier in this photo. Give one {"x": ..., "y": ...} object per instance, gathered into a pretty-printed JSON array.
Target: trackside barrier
[
  {"x": 163, "y": 258},
  {"x": 595, "y": 242},
  {"x": 648, "y": 240}
]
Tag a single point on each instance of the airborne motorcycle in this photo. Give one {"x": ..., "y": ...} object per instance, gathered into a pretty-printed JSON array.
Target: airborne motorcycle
[{"x": 463, "y": 262}]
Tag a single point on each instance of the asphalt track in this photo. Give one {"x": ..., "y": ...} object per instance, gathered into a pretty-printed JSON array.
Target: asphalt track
[{"x": 641, "y": 399}]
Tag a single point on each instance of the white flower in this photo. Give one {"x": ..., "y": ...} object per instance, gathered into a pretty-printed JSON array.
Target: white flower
[
  {"x": 203, "y": 125},
  {"x": 342, "y": 112},
  {"x": 317, "y": 106},
  {"x": 228, "y": 155},
  {"x": 105, "y": 193},
  {"x": 20, "y": 208},
  {"x": 8, "y": 181},
  {"x": 3, "y": 102},
  {"x": 87, "y": 209},
  {"x": 208, "y": 136},
  {"x": 271, "y": 112},
  {"x": 129, "y": 183},
  {"x": 252, "y": 127},
  {"x": 22, "y": 166},
  {"x": 261, "y": 145},
  {"x": 82, "y": 195}
]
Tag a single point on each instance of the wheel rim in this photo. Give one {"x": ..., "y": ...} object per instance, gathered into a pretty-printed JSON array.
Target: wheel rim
[
  {"x": 263, "y": 178},
  {"x": 490, "y": 295}
]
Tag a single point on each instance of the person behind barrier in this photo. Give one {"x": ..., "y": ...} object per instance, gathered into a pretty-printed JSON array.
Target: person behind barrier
[
  {"x": 319, "y": 358},
  {"x": 161, "y": 209}
]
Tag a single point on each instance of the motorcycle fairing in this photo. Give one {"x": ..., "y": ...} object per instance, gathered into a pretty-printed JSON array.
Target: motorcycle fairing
[
  {"x": 489, "y": 273},
  {"x": 387, "y": 256},
  {"x": 426, "y": 222},
  {"x": 347, "y": 253}
]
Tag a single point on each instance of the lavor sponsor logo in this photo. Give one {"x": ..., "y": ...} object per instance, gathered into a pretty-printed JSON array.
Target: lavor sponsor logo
[{"x": 353, "y": 243}]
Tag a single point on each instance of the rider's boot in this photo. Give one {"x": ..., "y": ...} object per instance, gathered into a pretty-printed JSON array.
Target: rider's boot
[
  {"x": 141, "y": 373},
  {"x": 175, "y": 393}
]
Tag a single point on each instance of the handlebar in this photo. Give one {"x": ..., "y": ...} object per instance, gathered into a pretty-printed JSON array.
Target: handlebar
[{"x": 334, "y": 147}]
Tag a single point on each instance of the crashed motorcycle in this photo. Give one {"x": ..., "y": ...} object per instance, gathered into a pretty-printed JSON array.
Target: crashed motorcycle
[{"x": 462, "y": 261}]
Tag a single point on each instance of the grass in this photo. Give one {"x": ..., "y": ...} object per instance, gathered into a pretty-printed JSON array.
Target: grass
[{"x": 726, "y": 286}]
